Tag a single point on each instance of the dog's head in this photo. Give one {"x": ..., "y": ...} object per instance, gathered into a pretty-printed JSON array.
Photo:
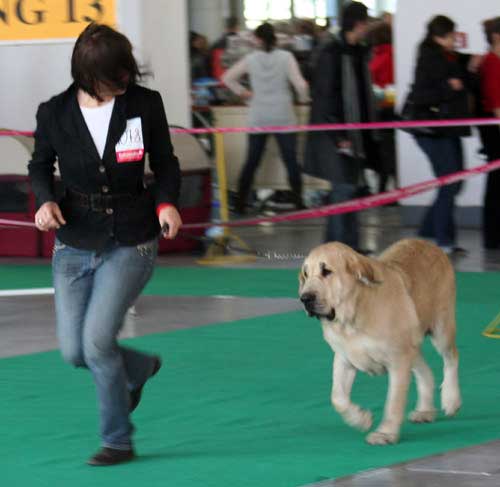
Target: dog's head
[{"x": 329, "y": 276}]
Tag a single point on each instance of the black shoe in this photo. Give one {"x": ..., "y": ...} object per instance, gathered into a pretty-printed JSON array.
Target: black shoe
[
  {"x": 491, "y": 246},
  {"x": 460, "y": 251},
  {"x": 106, "y": 457},
  {"x": 240, "y": 210},
  {"x": 135, "y": 396}
]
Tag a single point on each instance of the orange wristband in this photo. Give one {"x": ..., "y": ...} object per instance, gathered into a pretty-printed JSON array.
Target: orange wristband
[{"x": 162, "y": 206}]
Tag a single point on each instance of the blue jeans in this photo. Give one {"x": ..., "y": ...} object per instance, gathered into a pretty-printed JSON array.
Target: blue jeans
[
  {"x": 93, "y": 292},
  {"x": 446, "y": 157}
]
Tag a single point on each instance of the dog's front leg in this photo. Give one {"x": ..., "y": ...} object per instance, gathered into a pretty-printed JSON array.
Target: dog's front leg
[
  {"x": 343, "y": 377},
  {"x": 399, "y": 380}
]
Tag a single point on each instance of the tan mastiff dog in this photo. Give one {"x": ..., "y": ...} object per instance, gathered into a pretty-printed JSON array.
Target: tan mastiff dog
[{"x": 375, "y": 314}]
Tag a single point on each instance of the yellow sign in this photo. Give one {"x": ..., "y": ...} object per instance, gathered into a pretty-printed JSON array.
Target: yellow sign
[{"x": 45, "y": 20}]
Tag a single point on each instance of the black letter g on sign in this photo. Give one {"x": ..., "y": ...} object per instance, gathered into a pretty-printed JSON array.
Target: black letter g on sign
[{"x": 39, "y": 15}]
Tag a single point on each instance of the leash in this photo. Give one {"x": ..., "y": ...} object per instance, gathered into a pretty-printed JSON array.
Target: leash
[{"x": 226, "y": 246}]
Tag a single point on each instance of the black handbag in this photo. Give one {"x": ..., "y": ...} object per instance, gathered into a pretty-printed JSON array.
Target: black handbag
[{"x": 412, "y": 112}]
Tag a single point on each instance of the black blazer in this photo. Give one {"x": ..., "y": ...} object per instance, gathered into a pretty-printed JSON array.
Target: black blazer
[
  {"x": 62, "y": 134},
  {"x": 431, "y": 88}
]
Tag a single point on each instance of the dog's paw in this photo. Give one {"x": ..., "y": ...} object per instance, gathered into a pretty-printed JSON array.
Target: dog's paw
[
  {"x": 379, "y": 438},
  {"x": 452, "y": 407},
  {"x": 450, "y": 401},
  {"x": 450, "y": 398},
  {"x": 422, "y": 416},
  {"x": 358, "y": 418}
]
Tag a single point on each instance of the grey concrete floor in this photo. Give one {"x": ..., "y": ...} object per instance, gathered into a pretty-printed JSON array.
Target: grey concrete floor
[
  {"x": 27, "y": 323},
  {"x": 27, "y": 326},
  {"x": 471, "y": 467}
]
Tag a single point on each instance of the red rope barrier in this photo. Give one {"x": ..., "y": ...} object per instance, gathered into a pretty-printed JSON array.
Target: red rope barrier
[
  {"x": 315, "y": 128},
  {"x": 354, "y": 205}
]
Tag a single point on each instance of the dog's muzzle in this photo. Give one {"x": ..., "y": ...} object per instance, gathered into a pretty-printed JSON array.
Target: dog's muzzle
[{"x": 309, "y": 302}]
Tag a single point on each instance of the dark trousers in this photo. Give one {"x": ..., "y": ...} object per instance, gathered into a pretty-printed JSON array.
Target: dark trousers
[
  {"x": 343, "y": 228},
  {"x": 345, "y": 177},
  {"x": 387, "y": 166},
  {"x": 491, "y": 210},
  {"x": 446, "y": 157},
  {"x": 256, "y": 146}
]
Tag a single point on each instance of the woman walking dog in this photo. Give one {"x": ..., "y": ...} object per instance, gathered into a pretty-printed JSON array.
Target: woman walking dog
[{"x": 107, "y": 223}]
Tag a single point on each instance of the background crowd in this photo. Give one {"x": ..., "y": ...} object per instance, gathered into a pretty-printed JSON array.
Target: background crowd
[{"x": 349, "y": 71}]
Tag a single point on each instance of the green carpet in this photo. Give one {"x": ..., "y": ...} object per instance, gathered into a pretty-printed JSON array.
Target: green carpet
[
  {"x": 241, "y": 404},
  {"x": 179, "y": 281},
  {"x": 208, "y": 281}
]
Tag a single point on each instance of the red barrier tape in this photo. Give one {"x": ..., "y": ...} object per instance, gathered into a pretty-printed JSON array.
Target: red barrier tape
[
  {"x": 337, "y": 209},
  {"x": 316, "y": 128},
  {"x": 358, "y": 204}
]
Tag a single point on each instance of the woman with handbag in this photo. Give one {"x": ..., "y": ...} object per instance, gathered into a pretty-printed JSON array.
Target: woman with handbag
[{"x": 440, "y": 89}]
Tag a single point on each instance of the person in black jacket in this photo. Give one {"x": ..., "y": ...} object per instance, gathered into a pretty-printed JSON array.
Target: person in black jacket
[
  {"x": 489, "y": 106},
  {"x": 107, "y": 222},
  {"x": 440, "y": 87},
  {"x": 342, "y": 92}
]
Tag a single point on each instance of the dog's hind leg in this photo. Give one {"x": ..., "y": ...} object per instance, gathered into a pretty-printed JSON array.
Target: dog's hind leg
[
  {"x": 424, "y": 411},
  {"x": 443, "y": 338},
  {"x": 343, "y": 378}
]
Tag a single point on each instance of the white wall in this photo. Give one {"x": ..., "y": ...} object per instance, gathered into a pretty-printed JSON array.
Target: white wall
[
  {"x": 32, "y": 73},
  {"x": 207, "y": 17},
  {"x": 411, "y": 18}
]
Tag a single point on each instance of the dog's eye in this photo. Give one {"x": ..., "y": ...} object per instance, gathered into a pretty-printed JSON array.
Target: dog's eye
[
  {"x": 305, "y": 274},
  {"x": 325, "y": 272}
]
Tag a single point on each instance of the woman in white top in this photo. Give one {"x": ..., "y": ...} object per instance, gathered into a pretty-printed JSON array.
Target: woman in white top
[
  {"x": 271, "y": 71},
  {"x": 100, "y": 130}
]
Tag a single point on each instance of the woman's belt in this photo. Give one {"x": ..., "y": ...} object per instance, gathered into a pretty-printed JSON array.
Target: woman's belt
[{"x": 97, "y": 201}]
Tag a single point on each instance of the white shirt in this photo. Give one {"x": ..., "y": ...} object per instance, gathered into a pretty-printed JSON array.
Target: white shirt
[{"x": 97, "y": 120}]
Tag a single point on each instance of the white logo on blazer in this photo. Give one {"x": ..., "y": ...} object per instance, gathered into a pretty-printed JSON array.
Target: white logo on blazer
[{"x": 130, "y": 147}]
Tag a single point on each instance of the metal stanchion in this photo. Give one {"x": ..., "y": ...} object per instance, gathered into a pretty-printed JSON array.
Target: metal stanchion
[
  {"x": 493, "y": 329},
  {"x": 217, "y": 253}
]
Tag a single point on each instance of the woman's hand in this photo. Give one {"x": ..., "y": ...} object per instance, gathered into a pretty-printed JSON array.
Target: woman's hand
[
  {"x": 456, "y": 84},
  {"x": 475, "y": 63},
  {"x": 344, "y": 144},
  {"x": 170, "y": 218},
  {"x": 246, "y": 95},
  {"x": 49, "y": 217}
]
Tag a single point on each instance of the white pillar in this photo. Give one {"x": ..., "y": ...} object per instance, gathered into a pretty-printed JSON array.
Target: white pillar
[{"x": 164, "y": 43}]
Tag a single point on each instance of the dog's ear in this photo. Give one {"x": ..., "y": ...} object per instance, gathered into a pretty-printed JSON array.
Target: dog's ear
[
  {"x": 302, "y": 276},
  {"x": 362, "y": 269}
]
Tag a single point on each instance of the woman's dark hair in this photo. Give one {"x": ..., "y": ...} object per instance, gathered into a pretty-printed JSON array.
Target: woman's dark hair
[
  {"x": 232, "y": 24},
  {"x": 193, "y": 37},
  {"x": 439, "y": 26},
  {"x": 380, "y": 33},
  {"x": 266, "y": 34},
  {"x": 491, "y": 26},
  {"x": 103, "y": 56},
  {"x": 353, "y": 13}
]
